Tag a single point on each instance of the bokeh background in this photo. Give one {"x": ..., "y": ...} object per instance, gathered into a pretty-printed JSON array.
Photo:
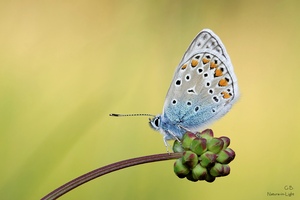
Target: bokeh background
[{"x": 65, "y": 65}]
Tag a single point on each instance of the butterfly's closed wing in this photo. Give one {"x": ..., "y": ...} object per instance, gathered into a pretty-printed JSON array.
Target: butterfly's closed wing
[{"x": 203, "y": 88}]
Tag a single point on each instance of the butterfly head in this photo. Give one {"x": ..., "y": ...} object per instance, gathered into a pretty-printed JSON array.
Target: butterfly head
[{"x": 155, "y": 122}]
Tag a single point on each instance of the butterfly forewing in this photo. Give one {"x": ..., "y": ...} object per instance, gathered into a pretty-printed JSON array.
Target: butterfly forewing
[
  {"x": 205, "y": 40},
  {"x": 204, "y": 85}
]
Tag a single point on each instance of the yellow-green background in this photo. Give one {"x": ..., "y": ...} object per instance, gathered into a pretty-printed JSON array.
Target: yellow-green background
[{"x": 65, "y": 65}]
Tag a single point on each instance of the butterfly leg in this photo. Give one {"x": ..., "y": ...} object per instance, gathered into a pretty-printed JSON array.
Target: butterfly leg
[
  {"x": 174, "y": 136},
  {"x": 165, "y": 139},
  {"x": 166, "y": 143},
  {"x": 184, "y": 128}
]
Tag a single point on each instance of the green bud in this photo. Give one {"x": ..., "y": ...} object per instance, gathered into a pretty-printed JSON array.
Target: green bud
[
  {"x": 203, "y": 156},
  {"x": 215, "y": 145},
  {"x": 198, "y": 146},
  {"x": 177, "y": 148},
  {"x": 226, "y": 170},
  {"x": 226, "y": 156},
  {"x": 189, "y": 159},
  {"x": 226, "y": 141},
  {"x": 217, "y": 170},
  {"x": 187, "y": 138},
  {"x": 207, "y": 134},
  {"x": 199, "y": 172},
  {"x": 209, "y": 178},
  {"x": 207, "y": 159},
  {"x": 180, "y": 169},
  {"x": 191, "y": 178}
]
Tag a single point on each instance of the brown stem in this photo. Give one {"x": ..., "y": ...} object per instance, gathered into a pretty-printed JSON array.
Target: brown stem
[{"x": 107, "y": 169}]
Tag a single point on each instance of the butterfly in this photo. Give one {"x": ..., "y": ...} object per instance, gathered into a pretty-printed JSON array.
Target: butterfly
[{"x": 203, "y": 89}]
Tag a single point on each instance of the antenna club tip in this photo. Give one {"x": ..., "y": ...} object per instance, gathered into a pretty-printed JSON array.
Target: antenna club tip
[{"x": 113, "y": 115}]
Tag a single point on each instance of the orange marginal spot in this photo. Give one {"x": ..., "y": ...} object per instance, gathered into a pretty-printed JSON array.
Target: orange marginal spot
[
  {"x": 218, "y": 72},
  {"x": 194, "y": 63},
  {"x": 204, "y": 60},
  {"x": 213, "y": 65},
  {"x": 223, "y": 82},
  {"x": 184, "y": 66},
  {"x": 226, "y": 95}
]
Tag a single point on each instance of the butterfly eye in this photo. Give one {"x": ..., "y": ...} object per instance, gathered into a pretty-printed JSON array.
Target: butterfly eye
[{"x": 156, "y": 122}]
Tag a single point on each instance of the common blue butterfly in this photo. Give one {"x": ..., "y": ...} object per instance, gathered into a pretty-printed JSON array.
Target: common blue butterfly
[{"x": 203, "y": 89}]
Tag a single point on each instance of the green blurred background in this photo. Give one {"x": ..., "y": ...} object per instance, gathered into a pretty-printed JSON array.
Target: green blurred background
[{"x": 65, "y": 65}]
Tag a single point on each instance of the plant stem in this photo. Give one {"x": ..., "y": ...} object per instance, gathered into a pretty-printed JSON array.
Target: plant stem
[{"x": 107, "y": 169}]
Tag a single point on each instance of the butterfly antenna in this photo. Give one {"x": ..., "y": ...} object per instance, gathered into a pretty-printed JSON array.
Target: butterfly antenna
[{"x": 130, "y": 115}]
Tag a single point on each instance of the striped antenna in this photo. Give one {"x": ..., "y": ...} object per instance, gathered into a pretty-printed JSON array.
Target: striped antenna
[{"x": 129, "y": 115}]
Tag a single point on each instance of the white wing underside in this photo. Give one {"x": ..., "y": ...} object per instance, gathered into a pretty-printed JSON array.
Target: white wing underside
[{"x": 204, "y": 85}]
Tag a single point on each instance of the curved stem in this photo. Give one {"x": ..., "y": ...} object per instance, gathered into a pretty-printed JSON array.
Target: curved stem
[{"x": 107, "y": 169}]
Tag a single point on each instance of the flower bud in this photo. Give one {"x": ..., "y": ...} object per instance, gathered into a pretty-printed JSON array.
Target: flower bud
[
  {"x": 199, "y": 172},
  {"x": 189, "y": 159},
  {"x": 209, "y": 178},
  {"x": 190, "y": 177},
  {"x": 216, "y": 170},
  {"x": 187, "y": 138},
  {"x": 177, "y": 148},
  {"x": 204, "y": 157},
  {"x": 207, "y": 159},
  {"x": 226, "y": 156},
  {"x": 215, "y": 145},
  {"x": 207, "y": 134},
  {"x": 226, "y": 170},
  {"x": 226, "y": 141},
  {"x": 198, "y": 146},
  {"x": 180, "y": 169}
]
